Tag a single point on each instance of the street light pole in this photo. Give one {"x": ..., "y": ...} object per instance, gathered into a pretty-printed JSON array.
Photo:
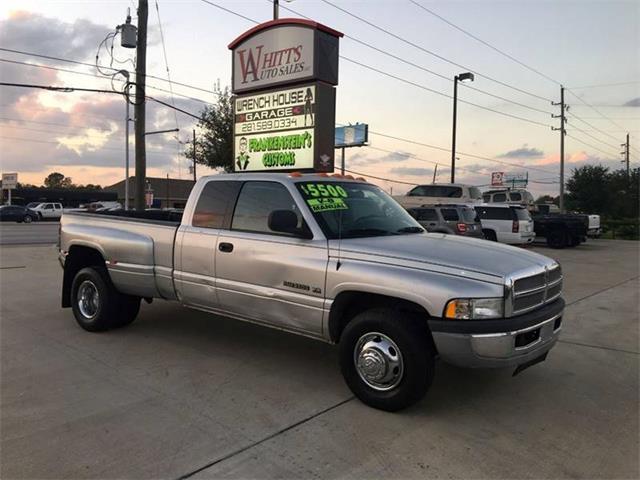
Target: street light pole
[
  {"x": 276, "y": 9},
  {"x": 463, "y": 77}
]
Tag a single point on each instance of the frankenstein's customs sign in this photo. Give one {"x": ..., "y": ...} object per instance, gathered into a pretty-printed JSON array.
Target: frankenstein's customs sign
[{"x": 290, "y": 127}]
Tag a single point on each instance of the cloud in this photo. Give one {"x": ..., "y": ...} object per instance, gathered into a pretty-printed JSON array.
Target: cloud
[
  {"x": 36, "y": 33},
  {"x": 523, "y": 152},
  {"x": 359, "y": 159},
  {"x": 635, "y": 102},
  {"x": 411, "y": 171}
]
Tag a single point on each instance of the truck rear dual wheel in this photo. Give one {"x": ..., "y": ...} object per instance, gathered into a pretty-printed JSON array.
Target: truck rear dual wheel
[
  {"x": 387, "y": 358},
  {"x": 97, "y": 305}
]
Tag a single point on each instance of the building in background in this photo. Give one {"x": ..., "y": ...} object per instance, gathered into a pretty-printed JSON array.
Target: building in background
[{"x": 167, "y": 192}]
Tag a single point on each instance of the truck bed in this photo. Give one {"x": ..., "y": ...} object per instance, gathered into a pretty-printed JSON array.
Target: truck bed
[{"x": 137, "y": 250}]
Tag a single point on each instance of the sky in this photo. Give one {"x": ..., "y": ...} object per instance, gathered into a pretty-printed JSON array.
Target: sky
[{"x": 504, "y": 122}]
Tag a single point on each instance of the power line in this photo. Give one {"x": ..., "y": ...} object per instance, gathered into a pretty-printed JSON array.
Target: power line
[
  {"x": 589, "y": 145},
  {"x": 379, "y": 178},
  {"x": 471, "y": 155},
  {"x": 419, "y": 47},
  {"x": 76, "y": 72},
  {"x": 423, "y": 87},
  {"x": 632, "y": 82},
  {"x": 76, "y": 62},
  {"x": 166, "y": 64},
  {"x": 409, "y": 82},
  {"x": 594, "y": 109},
  {"x": 501, "y": 52},
  {"x": 420, "y": 67},
  {"x": 615, "y": 148}
]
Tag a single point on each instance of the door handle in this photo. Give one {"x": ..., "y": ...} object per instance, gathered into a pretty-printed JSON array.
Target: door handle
[{"x": 225, "y": 247}]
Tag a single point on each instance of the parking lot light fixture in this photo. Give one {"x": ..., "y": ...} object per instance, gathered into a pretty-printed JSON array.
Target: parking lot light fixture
[{"x": 462, "y": 77}]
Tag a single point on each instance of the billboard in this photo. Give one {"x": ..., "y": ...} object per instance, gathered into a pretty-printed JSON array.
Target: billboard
[
  {"x": 284, "y": 51},
  {"x": 352, "y": 135},
  {"x": 285, "y": 129},
  {"x": 513, "y": 180},
  {"x": 9, "y": 181}
]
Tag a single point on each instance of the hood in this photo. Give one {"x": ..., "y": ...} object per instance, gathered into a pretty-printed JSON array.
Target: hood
[{"x": 463, "y": 254}]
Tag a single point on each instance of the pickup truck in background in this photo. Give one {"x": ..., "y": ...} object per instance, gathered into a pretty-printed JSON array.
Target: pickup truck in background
[
  {"x": 328, "y": 257},
  {"x": 439, "y": 193},
  {"x": 593, "y": 221},
  {"x": 560, "y": 230}
]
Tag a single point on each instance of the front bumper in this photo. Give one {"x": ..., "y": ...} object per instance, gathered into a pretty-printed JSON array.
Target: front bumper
[{"x": 498, "y": 343}]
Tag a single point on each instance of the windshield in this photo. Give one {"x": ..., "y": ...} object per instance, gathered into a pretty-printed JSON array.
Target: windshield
[{"x": 353, "y": 210}]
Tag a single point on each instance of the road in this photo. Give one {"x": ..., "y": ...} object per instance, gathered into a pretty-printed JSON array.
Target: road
[
  {"x": 182, "y": 394},
  {"x": 28, "y": 233}
]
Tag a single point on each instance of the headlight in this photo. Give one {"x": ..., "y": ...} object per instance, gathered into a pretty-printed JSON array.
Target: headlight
[{"x": 474, "y": 308}]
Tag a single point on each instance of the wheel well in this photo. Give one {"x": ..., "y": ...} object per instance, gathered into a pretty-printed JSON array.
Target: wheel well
[
  {"x": 78, "y": 258},
  {"x": 348, "y": 304}
]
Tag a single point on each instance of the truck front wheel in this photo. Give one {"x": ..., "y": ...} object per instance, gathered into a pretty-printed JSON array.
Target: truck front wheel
[
  {"x": 387, "y": 358},
  {"x": 97, "y": 305}
]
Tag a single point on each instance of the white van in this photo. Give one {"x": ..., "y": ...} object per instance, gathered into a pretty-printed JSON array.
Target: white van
[
  {"x": 439, "y": 193},
  {"x": 511, "y": 196},
  {"x": 505, "y": 223}
]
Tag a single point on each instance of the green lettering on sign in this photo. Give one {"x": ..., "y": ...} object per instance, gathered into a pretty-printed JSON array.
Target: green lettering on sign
[{"x": 326, "y": 204}]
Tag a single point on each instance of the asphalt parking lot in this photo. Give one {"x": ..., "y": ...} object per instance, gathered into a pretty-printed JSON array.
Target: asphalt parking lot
[
  {"x": 184, "y": 394},
  {"x": 44, "y": 232}
]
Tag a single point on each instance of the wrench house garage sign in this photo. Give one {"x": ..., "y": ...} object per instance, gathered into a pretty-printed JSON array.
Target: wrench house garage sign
[{"x": 290, "y": 127}]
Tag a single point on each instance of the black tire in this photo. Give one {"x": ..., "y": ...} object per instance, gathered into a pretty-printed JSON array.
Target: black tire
[
  {"x": 40, "y": 216},
  {"x": 105, "y": 307},
  {"x": 556, "y": 239},
  {"x": 410, "y": 335},
  {"x": 27, "y": 219},
  {"x": 490, "y": 235},
  {"x": 572, "y": 241}
]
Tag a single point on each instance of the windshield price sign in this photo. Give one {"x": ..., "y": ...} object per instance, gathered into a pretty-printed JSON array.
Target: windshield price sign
[{"x": 286, "y": 129}]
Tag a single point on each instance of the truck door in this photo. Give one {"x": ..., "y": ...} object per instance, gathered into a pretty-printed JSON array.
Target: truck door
[
  {"x": 195, "y": 250},
  {"x": 267, "y": 276}
]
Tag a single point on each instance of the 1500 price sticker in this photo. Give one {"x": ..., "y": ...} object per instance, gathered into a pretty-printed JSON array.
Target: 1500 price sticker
[{"x": 323, "y": 190}]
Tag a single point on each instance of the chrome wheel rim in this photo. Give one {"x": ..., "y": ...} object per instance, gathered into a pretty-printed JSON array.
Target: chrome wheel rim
[
  {"x": 88, "y": 299},
  {"x": 27, "y": 219},
  {"x": 378, "y": 361}
]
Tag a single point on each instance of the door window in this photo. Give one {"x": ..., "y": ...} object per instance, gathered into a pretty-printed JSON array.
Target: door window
[
  {"x": 256, "y": 201},
  {"x": 427, "y": 215},
  {"x": 494, "y": 213},
  {"x": 215, "y": 201},
  {"x": 48, "y": 206}
]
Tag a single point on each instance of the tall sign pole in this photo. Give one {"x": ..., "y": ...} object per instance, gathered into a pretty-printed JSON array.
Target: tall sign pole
[
  {"x": 140, "y": 106},
  {"x": 194, "y": 156},
  {"x": 453, "y": 140},
  {"x": 276, "y": 9}
]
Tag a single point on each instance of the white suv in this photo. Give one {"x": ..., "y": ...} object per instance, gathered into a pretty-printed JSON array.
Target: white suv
[
  {"x": 48, "y": 210},
  {"x": 506, "y": 223}
]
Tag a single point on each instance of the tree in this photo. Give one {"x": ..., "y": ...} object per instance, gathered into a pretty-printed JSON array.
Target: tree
[
  {"x": 542, "y": 199},
  {"x": 588, "y": 190},
  {"x": 215, "y": 142},
  {"x": 57, "y": 180}
]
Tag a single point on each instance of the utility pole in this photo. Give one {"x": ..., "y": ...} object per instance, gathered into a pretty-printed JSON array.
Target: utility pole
[
  {"x": 435, "y": 173},
  {"x": 140, "y": 106},
  {"x": 563, "y": 132},
  {"x": 276, "y": 9},
  {"x": 194, "y": 156},
  {"x": 342, "y": 162},
  {"x": 626, "y": 154}
]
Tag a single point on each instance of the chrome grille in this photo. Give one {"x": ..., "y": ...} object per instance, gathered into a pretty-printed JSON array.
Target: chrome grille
[{"x": 536, "y": 290}]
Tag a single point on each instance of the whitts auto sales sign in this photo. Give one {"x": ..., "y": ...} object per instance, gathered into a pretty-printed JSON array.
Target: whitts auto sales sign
[
  {"x": 284, "y": 51},
  {"x": 289, "y": 127}
]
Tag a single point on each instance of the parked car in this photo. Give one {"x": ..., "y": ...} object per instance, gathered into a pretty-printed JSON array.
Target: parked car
[
  {"x": 48, "y": 210},
  {"x": 512, "y": 196},
  {"x": 17, "y": 213},
  {"x": 439, "y": 193},
  {"x": 561, "y": 230},
  {"x": 505, "y": 223},
  {"x": 330, "y": 258},
  {"x": 451, "y": 219}
]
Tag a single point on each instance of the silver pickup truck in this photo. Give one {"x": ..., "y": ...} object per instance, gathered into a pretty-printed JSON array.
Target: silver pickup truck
[{"x": 329, "y": 257}]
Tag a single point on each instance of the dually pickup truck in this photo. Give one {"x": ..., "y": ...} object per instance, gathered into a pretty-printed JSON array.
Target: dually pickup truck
[{"x": 329, "y": 257}]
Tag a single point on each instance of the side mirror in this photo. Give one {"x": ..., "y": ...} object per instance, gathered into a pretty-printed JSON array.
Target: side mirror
[{"x": 286, "y": 221}]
